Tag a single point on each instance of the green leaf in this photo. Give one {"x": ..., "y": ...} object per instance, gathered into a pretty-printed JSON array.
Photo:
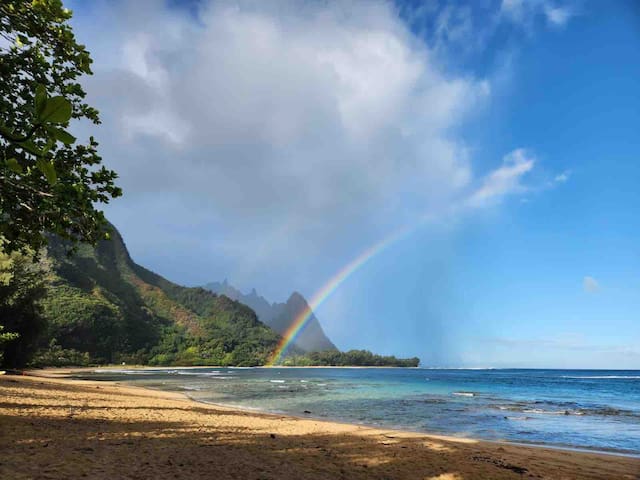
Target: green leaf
[
  {"x": 41, "y": 100},
  {"x": 30, "y": 147},
  {"x": 56, "y": 110},
  {"x": 14, "y": 166},
  {"x": 63, "y": 136},
  {"x": 48, "y": 170},
  {"x": 50, "y": 143},
  {"x": 6, "y": 132}
]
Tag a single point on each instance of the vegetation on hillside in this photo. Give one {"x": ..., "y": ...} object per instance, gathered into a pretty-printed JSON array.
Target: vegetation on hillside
[
  {"x": 21, "y": 289},
  {"x": 358, "y": 358},
  {"x": 99, "y": 307},
  {"x": 152, "y": 320}
]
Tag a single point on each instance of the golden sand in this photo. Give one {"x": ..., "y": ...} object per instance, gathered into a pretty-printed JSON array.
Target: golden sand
[{"x": 56, "y": 428}]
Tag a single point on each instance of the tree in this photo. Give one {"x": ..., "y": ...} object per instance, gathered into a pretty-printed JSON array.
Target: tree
[
  {"x": 21, "y": 288},
  {"x": 48, "y": 182},
  {"x": 4, "y": 338}
]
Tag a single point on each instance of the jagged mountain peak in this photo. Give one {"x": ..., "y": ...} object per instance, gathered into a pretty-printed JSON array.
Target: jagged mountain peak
[
  {"x": 280, "y": 316},
  {"x": 296, "y": 298}
]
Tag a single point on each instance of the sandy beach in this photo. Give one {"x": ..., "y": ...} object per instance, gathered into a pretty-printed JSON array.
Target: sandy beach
[{"x": 56, "y": 428}]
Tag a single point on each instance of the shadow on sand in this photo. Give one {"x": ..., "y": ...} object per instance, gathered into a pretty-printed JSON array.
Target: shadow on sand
[{"x": 80, "y": 440}]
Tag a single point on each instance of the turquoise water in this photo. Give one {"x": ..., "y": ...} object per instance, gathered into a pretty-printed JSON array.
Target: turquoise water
[{"x": 569, "y": 408}]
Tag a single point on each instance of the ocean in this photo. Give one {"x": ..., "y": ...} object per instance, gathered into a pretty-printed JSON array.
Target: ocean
[{"x": 586, "y": 409}]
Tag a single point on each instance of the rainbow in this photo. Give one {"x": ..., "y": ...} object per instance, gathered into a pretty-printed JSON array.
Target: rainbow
[{"x": 334, "y": 282}]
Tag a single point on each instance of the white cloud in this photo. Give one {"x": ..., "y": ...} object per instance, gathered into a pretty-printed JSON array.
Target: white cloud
[
  {"x": 505, "y": 180},
  {"x": 557, "y": 16},
  {"x": 590, "y": 284},
  {"x": 524, "y": 12},
  {"x": 454, "y": 25},
  {"x": 265, "y": 135},
  {"x": 562, "y": 177}
]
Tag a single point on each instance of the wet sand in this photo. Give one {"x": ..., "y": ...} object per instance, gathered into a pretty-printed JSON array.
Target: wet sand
[{"x": 57, "y": 428}]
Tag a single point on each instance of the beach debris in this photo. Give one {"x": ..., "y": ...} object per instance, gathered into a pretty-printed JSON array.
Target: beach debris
[
  {"x": 85, "y": 449},
  {"x": 500, "y": 464},
  {"x": 272, "y": 435},
  {"x": 124, "y": 442}
]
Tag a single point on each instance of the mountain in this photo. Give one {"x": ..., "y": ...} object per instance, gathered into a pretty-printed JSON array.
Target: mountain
[
  {"x": 280, "y": 316},
  {"x": 102, "y": 307},
  {"x": 98, "y": 306}
]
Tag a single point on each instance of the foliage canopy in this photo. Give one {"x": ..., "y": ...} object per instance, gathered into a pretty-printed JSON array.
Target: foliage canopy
[
  {"x": 360, "y": 358},
  {"x": 22, "y": 286},
  {"x": 48, "y": 182}
]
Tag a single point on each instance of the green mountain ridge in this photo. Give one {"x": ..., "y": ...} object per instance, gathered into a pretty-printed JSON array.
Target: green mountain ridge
[
  {"x": 104, "y": 308},
  {"x": 100, "y": 307}
]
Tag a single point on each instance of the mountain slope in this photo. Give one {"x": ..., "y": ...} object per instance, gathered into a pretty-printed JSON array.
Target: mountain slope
[
  {"x": 103, "y": 307},
  {"x": 280, "y": 316}
]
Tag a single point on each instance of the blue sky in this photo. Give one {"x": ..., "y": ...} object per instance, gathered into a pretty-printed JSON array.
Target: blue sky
[{"x": 272, "y": 143}]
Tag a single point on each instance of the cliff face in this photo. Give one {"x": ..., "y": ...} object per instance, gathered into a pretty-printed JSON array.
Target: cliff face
[{"x": 280, "y": 316}]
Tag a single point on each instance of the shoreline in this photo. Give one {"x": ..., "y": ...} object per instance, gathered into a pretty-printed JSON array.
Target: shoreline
[
  {"x": 66, "y": 372},
  {"x": 560, "y": 448},
  {"x": 65, "y": 428},
  {"x": 193, "y": 367}
]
